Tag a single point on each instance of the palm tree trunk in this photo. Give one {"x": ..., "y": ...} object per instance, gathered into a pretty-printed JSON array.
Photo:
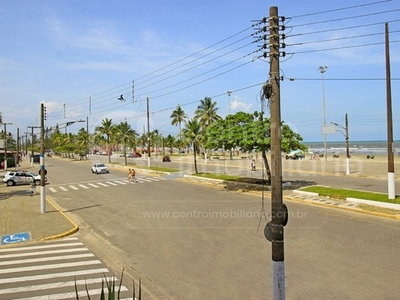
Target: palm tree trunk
[
  {"x": 125, "y": 158},
  {"x": 194, "y": 156},
  {"x": 180, "y": 134},
  {"x": 267, "y": 169}
]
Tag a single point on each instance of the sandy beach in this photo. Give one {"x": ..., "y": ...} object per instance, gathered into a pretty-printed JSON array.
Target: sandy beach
[{"x": 359, "y": 165}]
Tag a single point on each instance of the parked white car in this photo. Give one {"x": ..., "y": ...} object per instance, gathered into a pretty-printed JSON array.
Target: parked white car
[
  {"x": 99, "y": 168},
  {"x": 21, "y": 177}
]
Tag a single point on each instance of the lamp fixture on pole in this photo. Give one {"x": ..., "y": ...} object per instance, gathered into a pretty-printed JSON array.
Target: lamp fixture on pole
[{"x": 229, "y": 104}]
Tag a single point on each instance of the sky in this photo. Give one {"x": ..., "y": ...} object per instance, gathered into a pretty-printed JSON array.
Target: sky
[{"x": 78, "y": 57}]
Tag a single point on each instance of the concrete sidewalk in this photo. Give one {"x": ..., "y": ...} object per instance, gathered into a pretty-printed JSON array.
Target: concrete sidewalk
[{"x": 21, "y": 217}]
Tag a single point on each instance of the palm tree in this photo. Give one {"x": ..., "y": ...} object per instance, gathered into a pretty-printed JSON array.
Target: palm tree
[
  {"x": 192, "y": 134},
  {"x": 155, "y": 139},
  {"x": 107, "y": 129},
  {"x": 206, "y": 112},
  {"x": 178, "y": 116},
  {"x": 170, "y": 141},
  {"x": 82, "y": 142},
  {"x": 125, "y": 135}
]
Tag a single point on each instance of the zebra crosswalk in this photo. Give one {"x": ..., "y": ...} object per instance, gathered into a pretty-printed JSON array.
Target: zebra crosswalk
[
  {"x": 99, "y": 184},
  {"x": 51, "y": 270}
]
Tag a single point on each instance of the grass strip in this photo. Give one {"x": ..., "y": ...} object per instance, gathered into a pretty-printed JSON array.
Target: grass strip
[{"x": 346, "y": 193}]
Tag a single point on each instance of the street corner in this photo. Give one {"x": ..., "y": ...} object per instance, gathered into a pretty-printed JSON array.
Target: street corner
[
  {"x": 23, "y": 221},
  {"x": 62, "y": 224}
]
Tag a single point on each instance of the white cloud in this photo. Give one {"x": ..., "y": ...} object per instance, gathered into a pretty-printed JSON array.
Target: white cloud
[{"x": 240, "y": 106}]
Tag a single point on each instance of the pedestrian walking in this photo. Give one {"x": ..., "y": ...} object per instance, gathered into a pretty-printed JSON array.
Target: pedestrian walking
[
  {"x": 130, "y": 175},
  {"x": 253, "y": 165},
  {"x": 133, "y": 175}
]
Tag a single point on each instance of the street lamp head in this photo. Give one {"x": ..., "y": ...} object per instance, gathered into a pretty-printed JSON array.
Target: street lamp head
[{"x": 323, "y": 69}]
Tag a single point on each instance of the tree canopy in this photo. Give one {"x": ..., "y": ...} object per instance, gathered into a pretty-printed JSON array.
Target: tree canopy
[{"x": 249, "y": 132}]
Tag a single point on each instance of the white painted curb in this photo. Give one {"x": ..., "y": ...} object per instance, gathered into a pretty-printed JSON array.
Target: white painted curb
[
  {"x": 374, "y": 203},
  {"x": 311, "y": 194}
]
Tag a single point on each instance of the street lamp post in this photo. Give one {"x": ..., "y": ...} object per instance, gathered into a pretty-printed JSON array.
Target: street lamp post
[
  {"x": 148, "y": 135},
  {"x": 70, "y": 123},
  {"x": 229, "y": 104},
  {"x": 322, "y": 70},
  {"x": 346, "y": 135}
]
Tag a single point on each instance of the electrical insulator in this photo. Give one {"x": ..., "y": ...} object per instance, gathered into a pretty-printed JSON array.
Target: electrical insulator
[{"x": 45, "y": 113}]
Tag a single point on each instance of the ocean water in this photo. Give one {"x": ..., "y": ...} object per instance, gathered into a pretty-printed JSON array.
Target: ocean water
[{"x": 356, "y": 147}]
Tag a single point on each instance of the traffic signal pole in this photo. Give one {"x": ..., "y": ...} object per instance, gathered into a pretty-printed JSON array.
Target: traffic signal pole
[{"x": 42, "y": 169}]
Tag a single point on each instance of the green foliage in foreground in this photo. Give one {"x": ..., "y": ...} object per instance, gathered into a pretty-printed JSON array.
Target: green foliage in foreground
[
  {"x": 109, "y": 291},
  {"x": 345, "y": 193}
]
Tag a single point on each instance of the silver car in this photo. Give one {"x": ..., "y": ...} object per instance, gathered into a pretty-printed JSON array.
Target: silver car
[
  {"x": 21, "y": 177},
  {"x": 99, "y": 168}
]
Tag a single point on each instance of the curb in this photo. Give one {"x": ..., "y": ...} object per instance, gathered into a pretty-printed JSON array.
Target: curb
[
  {"x": 227, "y": 182},
  {"x": 353, "y": 208},
  {"x": 213, "y": 181},
  {"x": 374, "y": 203},
  {"x": 304, "y": 193},
  {"x": 61, "y": 235}
]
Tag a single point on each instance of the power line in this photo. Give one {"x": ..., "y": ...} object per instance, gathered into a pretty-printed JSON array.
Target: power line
[
  {"x": 340, "y": 28},
  {"x": 343, "y": 47},
  {"x": 348, "y": 18},
  {"x": 110, "y": 94},
  {"x": 339, "y": 9},
  {"x": 339, "y": 39}
]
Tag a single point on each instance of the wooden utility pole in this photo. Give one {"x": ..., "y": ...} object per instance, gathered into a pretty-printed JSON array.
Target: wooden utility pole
[
  {"x": 148, "y": 135},
  {"x": 278, "y": 210},
  {"x": 18, "y": 147},
  {"x": 390, "y": 150}
]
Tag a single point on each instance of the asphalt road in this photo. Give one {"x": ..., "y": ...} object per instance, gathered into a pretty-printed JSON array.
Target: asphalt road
[
  {"x": 188, "y": 241},
  {"x": 365, "y": 174}
]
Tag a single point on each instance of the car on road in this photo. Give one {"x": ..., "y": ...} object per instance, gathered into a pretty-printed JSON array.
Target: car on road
[
  {"x": 21, "y": 177},
  {"x": 99, "y": 168},
  {"x": 135, "y": 155}
]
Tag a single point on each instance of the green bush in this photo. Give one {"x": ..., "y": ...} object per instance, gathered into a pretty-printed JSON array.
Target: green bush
[{"x": 111, "y": 293}]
